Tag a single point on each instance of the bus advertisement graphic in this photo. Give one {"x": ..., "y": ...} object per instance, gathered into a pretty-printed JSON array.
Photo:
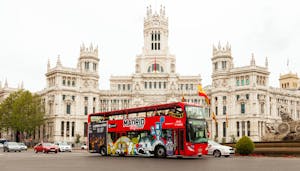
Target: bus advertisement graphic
[{"x": 97, "y": 136}]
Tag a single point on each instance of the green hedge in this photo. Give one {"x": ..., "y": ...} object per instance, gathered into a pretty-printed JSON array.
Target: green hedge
[{"x": 245, "y": 146}]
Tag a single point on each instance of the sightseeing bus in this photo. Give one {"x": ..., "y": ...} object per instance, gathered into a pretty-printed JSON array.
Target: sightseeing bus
[{"x": 175, "y": 129}]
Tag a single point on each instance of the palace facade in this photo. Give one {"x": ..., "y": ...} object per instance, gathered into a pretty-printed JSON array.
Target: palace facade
[
  {"x": 72, "y": 93},
  {"x": 244, "y": 95}
]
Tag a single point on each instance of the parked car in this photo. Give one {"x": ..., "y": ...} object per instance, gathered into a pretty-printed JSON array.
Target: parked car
[
  {"x": 11, "y": 146},
  {"x": 219, "y": 150},
  {"x": 2, "y": 141},
  {"x": 63, "y": 146},
  {"x": 84, "y": 147},
  {"x": 23, "y": 146},
  {"x": 45, "y": 148}
]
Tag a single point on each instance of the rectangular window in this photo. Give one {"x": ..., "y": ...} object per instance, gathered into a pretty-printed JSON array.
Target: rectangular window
[
  {"x": 62, "y": 128},
  {"x": 85, "y": 110},
  {"x": 87, "y": 65},
  {"x": 243, "y": 108},
  {"x": 154, "y": 85},
  {"x": 237, "y": 82},
  {"x": 247, "y": 96},
  {"x": 94, "y": 66},
  {"x": 119, "y": 87},
  {"x": 68, "y": 129},
  {"x": 124, "y": 87},
  {"x": 248, "y": 128},
  {"x": 159, "y": 85},
  {"x": 73, "y": 129},
  {"x": 243, "y": 128},
  {"x": 247, "y": 82},
  {"x": 224, "y": 129},
  {"x": 85, "y": 128},
  {"x": 217, "y": 131},
  {"x": 128, "y": 86},
  {"x": 186, "y": 86},
  {"x": 73, "y": 98},
  {"x": 223, "y": 64},
  {"x": 86, "y": 98},
  {"x": 68, "y": 109},
  {"x": 216, "y": 111},
  {"x": 94, "y": 109},
  {"x": 242, "y": 82},
  {"x": 63, "y": 97},
  {"x": 224, "y": 110},
  {"x": 216, "y": 65},
  {"x": 165, "y": 85},
  {"x": 64, "y": 82},
  {"x": 238, "y": 129},
  {"x": 150, "y": 85},
  {"x": 145, "y": 85},
  {"x": 224, "y": 98}
]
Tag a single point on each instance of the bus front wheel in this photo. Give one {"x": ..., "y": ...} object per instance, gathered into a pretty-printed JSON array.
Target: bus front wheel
[
  {"x": 160, "y": 151},
  {"x": 103, "y": 151}
]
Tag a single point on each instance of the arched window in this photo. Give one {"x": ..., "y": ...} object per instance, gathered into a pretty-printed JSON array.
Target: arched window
[
  {"x": 152, "y": 36},
  {"x": 159, "y": 36},
  {"x": 155, "y": 68}
]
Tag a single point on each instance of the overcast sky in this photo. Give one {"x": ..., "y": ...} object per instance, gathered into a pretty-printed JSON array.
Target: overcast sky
[{"x": 33, "y": 31}]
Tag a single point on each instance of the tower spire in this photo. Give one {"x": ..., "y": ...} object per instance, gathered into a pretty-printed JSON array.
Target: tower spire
[
  {"x": 252, "y": 60},
  {"x": 266, "y": 62},
  {"x": 219, "y": 45},
  {"x": 58, "y": 63},
  {"x": 48, "y": 65}
]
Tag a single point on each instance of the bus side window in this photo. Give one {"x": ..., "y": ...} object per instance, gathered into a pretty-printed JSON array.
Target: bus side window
[{"x": 161, "y": 112}]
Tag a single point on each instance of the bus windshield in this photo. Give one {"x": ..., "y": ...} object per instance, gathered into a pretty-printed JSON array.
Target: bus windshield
[
  {"x": 196, "y": 112},
  {"x": 196, "y": 131}
]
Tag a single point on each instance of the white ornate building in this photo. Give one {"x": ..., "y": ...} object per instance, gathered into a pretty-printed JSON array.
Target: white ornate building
[
  {"x": 72, "y": 93},
  {"x": 244, "y": 94}
]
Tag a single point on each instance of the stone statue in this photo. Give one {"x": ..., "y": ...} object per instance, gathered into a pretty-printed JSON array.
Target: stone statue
[{"x": 288, "y": 129}]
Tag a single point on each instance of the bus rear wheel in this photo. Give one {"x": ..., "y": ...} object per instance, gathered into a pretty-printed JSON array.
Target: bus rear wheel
[
  {"x": 160, "y": 151},
  {"x": 103, "y": 151}
]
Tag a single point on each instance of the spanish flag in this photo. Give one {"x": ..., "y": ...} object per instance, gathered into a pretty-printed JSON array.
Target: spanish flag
[
  {"x": 201, "y": 92},
  {"x": 182, "y": 99},
  {"x": 213, "y": 116}
]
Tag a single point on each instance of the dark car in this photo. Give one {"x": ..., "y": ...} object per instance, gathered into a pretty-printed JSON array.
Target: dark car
[
  {"x": 45, "y": 148},
  {"x": 11, "y": 146},
  {"x": 2, "y": 141}
]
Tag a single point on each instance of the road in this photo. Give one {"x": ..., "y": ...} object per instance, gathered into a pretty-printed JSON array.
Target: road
[{"x": 83, "y": 161}]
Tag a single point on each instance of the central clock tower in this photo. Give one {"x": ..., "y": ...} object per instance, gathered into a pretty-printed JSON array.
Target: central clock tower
[{"x": 155, "y": 32}]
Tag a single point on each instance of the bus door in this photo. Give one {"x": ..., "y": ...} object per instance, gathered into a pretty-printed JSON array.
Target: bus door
[
  {"x": 97, "y": 136},
  {"x": 179, "y": 141}
]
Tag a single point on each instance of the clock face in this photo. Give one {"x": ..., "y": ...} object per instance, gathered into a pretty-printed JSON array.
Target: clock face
[{"x": 155, "y": 23}]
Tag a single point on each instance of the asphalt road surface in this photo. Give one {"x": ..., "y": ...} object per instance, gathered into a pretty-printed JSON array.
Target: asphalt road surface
[{"x": 84, "y": 161}]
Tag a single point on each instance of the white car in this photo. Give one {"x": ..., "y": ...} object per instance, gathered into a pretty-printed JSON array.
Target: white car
[
  {"x": 84, "y": 147},
  {"x": 63, "y": 146},
  {"x": 219, "y": 150},
  {"x": 23, "y": 146}
]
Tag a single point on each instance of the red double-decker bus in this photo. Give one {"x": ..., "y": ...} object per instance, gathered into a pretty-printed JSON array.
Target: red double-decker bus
[{"x": 173, "y": 129}]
